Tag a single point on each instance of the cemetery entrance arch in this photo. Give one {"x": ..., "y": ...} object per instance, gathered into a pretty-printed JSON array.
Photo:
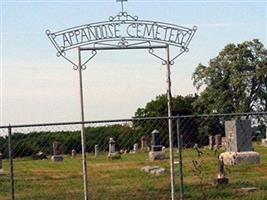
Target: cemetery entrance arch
[{"x": 120, "y": 32}]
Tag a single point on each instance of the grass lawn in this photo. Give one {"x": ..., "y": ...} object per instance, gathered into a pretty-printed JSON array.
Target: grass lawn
[{"x": 123, "y": 179}]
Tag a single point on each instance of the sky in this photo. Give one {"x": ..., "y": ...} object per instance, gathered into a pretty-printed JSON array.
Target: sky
[{"x": 37, "y": 86}]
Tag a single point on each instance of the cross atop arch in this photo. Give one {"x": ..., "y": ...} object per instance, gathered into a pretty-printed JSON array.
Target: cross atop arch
[{"x": 122, "y": 4}]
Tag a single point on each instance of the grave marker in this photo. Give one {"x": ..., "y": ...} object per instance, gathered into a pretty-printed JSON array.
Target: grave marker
[
  {"x": 73, "y": 153},
  {"x": 57, "y": 157},
  {"x": 239, "y": 143},
  {"x": 156, "y": 152},
  {"x": 96, "y": 150},
  {"x": 112, "y": 154},
  {"x": 135, "y": 147},
  {"x": 238, "y": 134},
  {"x": 144, "y": 143}
]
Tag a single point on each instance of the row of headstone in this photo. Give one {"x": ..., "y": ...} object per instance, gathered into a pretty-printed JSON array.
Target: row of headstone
[{"x": 156, "y": 148}]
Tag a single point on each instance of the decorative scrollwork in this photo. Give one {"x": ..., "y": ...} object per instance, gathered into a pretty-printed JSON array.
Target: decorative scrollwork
[
  {"x": 123, "y": 42},
  {"x": 90, "y": 58},
  {"x": 123, "y": 16},
  {"x": 151, "y": 51},
  {"x": 84, "y": 67}
]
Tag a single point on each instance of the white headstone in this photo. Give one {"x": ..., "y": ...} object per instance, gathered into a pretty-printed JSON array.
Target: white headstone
[
  {"x": 111, "y": 145},
  {"x": 135, "y": 147},
  {"x": 73, "y": 153},
  {"x": 96, "y": 150}
]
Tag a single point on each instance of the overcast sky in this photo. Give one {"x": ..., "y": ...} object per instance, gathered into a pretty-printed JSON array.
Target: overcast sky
[{"x": 37, "y": 86}]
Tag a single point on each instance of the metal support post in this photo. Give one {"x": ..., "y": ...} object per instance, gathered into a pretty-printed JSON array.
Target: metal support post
[
  {"x": 85, "y": 177},
  {"x": 169, "y": 96},
  {"x": 180, "y": 148},
  {"x": 11, "y": 172}
]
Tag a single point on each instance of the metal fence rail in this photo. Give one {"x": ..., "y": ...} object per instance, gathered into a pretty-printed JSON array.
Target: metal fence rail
[{"x": 44, "y": 161}]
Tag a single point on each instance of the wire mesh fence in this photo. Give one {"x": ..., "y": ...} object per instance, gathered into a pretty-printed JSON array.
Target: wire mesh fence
[
  {"x": 223, "y": 157},
  {"x": 130, "y": 158}
]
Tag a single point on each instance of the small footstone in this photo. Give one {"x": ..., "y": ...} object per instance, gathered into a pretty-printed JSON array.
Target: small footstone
[
  {"x": 57, "y": 158},
  {"x": 156, "y": 155},
  {"x": 176, "y": 162},
  {"x": 114, "y": 156},
  {"x": 156, "y": 170},
  {"x": 247, "y": 189},
  {"x": 221, "y": 181}
]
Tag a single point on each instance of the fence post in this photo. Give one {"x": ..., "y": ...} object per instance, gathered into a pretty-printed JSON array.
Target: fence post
[
  {"x": 11, "y": 173},
  {"x": 180, "y": 152},
  {"x": 83, "y": 139},
  {"x": 170, "y": 122}
]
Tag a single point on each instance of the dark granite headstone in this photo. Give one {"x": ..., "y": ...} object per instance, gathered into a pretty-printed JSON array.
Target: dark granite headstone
[
  {"x": 156, "y": 152},
  {"x": 155, "y": 138}
]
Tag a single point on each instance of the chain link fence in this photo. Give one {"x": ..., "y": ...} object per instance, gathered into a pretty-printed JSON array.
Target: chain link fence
[{"x": 130, "y": 158}]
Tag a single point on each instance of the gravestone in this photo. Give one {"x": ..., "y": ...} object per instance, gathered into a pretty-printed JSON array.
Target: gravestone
[
  {"x": 156, "y": 170},
  {"x": 144, "y": 143},
  {"x": 221, "y": 177},
  {"x": 156, "y": 152},
  {"x": 1, "y": 164},
  {"x": 264, "y": 141},
  {"x": 57, "y": 157},
  {"x": 96, "y": 150},
  {"x": 135, "y": 147},
  {"x": 238, "y": 134},
  {"x": 111, "y": 146},
  {"x": 40, "y": 155},
  {"x": 73, "y": 153},
  {"x": 211, "y": 142},
  {"x": 239, "y": 143},
  {"x": 217, "y": 141},
  {"x": 155, "y": 138},
  {"x": 112, "y": 154}
]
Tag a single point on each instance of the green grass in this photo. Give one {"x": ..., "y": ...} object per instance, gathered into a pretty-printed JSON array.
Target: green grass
[{"x": 123, "y": 179}]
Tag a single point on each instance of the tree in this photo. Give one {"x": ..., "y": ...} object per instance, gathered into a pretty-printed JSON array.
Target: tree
[
  {"x": 158, "y": 108},
  {"x": 235, "y": 80}
]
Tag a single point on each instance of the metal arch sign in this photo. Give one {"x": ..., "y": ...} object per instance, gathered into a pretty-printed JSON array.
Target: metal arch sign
[{"x": 122, "y": 31}]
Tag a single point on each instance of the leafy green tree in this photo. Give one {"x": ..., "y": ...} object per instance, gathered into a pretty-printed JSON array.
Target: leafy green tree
[
  {"x": 158, "y": 108},
  {"x": 235, "y": 80}
]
